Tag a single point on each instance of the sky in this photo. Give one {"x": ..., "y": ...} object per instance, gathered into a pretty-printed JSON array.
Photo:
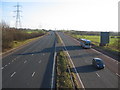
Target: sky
[{"x": 82, "y": 15}]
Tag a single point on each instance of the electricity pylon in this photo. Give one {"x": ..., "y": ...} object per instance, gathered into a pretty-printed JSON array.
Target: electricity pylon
[{"x": 18, "y": 21}]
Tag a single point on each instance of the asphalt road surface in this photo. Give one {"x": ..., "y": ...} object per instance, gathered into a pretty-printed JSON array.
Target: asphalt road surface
[
  {"x": 82, "y": 59},
  {"x": 31, "y": 66}
]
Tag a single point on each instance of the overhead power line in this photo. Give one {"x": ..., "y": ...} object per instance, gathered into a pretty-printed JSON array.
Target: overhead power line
[{"x": 18, "y": 16}]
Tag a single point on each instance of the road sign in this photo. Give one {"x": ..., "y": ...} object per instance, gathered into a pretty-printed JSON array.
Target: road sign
[{"x": 104, "y": 39}]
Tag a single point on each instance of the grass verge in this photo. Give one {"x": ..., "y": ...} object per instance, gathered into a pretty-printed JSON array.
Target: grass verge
[
  {"x": 17, "y": 44},
  {"x": 112, "y": 46},
  {"x": 58, "y": 39},
  {"x": 63, "y": 77}
]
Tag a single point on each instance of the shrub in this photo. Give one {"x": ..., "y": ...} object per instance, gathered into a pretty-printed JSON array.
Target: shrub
[{"x": 9, "y": 35}]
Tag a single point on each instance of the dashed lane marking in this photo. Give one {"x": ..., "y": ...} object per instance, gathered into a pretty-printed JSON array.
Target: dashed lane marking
[
  {"x": 33, "y": 74},
  {"x": 12, "y": 60},
  {"x": 2, "y": 67},
  {"x": 117, "y": 74},
  {"x": 25, "y": 61},
  {"x": 5, "y": 65},
  {"x": 98, "y": 75},
  {"x": 39, "y": 61},
  {"x": 13, "y": 74}
]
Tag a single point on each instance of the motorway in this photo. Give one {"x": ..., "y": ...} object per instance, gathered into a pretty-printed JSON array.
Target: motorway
[
  {"x": 82, "y": 59},
  {"x": 31, "y": 66}
]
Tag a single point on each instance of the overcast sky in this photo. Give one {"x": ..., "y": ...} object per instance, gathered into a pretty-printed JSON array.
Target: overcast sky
[{"x": 85, "y": 15}]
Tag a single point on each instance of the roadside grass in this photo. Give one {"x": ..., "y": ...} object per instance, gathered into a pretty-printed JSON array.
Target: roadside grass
[
  {"x": 16, "y": 44},
  {"x": 58, "y": 39},
  {"x": 12, "y": 37},
  {"x": 19, "y": 43},
  {"x": 33, "y": 31},
  {"x": 113, "y": 44},
  {"x": 63, "y": 77}
]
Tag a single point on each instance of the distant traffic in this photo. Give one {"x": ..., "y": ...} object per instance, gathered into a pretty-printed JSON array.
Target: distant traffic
[{"x": 85, "y": 43}]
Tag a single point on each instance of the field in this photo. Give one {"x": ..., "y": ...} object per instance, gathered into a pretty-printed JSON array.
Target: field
[{"x": 112, "y": 45}]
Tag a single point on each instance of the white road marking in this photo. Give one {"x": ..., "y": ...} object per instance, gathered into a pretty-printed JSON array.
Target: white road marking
[
  {"x": 32, "y": 54},
  {"x": 2, "y": 67},
  {"x": 75, "y": 69},
  {"x": 53, "y": 71},
  {"x": 113, "y": 60},
  {"x": 15, "y": 59},
  {"x": 98, "y": 75},
  {"x": 72, "y": 64},
  {"x": 25, "y": 61},
  {"x": 13, "y": 74},
  {"x": 33, "y": 74},
  {"x": 9, "y": 63},
  {"x": 117, "y": 74},
  {"x": 5, "y": 65},
  {"x": 39, "y": 61},
  {"x": 105, "y": 55},
  {"x": 101, "y": 53}
]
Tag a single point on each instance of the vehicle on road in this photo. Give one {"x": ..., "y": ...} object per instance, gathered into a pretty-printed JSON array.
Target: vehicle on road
[
  {"x": 98, "y": 63},
  {"x": 85, "y": 43}
]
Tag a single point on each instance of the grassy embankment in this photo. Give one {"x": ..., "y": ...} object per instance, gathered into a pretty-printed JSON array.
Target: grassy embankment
[
  {"x": 65, "y": 78},
  {"x": 114, "y": 44},
  {"x": 12, "y": 38}
]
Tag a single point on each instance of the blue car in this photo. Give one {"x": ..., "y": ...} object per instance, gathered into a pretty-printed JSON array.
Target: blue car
[{"x": 98, "y": 63}]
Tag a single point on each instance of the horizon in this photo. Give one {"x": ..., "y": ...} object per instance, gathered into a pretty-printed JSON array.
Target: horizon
[{"x": 87, "y": 15}]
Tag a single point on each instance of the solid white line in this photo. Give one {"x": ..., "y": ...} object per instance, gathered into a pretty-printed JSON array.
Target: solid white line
[
  {"x": 53, "y": 69},
  {"x": 33, "y": 74},
  {"x": 98, "y": 75},
  {"x": 75, "y": 69},
  {"x": 13, "y": 74},
  {"x": 104, "y": 55},
  {"x": 72, "y": 64},
  {"x": 100, "y": 53}
]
